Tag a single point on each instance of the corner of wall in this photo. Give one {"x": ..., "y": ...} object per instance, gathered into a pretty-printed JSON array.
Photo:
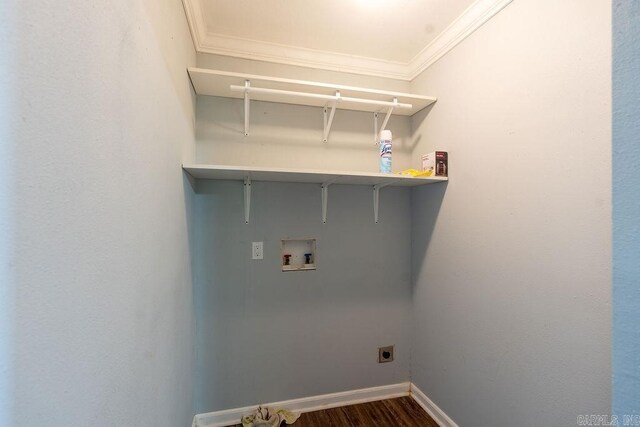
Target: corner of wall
[{"x": 626, "y": 207}]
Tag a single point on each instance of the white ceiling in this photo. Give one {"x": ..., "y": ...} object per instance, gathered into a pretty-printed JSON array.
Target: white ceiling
[
  {"x": 388, "y": 38},
  {"x": 385, "y": 30}
]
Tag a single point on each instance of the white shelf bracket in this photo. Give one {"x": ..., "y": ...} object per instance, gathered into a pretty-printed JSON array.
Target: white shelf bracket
[
  {"x": 330, "y": 101},
  {"x": 384, "y": 123},
  {"x": 247, "y": 88},
  {"x": 325, "y": 198},
  {"x": 247, "y": 199},
  {"x": 376, "y": 198},
  {"x": 375, "y": 128},
  {"x": 329, "y": 121}
]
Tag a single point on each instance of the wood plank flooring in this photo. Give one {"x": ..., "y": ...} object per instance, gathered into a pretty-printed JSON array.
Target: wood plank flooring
[{"x": 399, "y": 412}]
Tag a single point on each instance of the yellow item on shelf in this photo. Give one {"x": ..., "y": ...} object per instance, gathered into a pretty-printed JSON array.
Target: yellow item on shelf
[{"x": 414, "y": 172}]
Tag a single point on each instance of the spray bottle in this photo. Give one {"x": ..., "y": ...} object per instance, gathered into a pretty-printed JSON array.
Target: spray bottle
[{"x": 385, "y": 151}]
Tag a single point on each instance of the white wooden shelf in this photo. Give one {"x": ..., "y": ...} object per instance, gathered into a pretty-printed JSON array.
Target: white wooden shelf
[
  {"x": 300, "y": 92},
  {"x": 240, "y": 173},
  {"x": 218, "y": 83},
  {"x": 248, "y": 174}
]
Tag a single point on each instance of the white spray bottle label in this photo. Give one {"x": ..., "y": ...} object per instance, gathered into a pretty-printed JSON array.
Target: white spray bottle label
[{"x": 385, "y": 151}]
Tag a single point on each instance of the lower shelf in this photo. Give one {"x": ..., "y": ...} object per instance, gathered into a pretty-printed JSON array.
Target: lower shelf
[
  {"x": 240, "y": 173},
  {"x": 247, "y": 174}
]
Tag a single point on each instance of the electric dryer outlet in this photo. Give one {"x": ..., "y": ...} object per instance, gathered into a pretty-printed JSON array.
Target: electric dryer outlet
[{"x": 385, "y": 354}]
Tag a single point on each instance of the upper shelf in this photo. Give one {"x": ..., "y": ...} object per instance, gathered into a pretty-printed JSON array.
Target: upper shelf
[
  {"x": 306, "y": 176},
  {"x": 302, "y": 92}
]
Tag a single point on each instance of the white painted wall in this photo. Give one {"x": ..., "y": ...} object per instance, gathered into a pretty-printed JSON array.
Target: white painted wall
[
  {"x": 96, "y": 115},
  {"x": 512, "y": 270},
  {"x": 264, "y": 335}
]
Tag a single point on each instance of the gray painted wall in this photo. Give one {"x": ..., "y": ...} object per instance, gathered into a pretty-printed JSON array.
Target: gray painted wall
[
  {"x": 512, "y": 273},
  {"x": 626, "y": 207},
  {"x": 96, "y": 116},
  {"x": 264, "y": 335}
]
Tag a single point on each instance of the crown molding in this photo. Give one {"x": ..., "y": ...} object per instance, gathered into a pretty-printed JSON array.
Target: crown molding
[
  {"x": 464, "y": 25},
  {"x": 195, "y": 19},
  {"x": 292, "y": 55},
  {"x": 471, "y": 19}
]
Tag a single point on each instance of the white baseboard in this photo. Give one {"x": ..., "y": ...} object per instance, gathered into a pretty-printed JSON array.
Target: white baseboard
[
  {"x": 432, "y": 409},
  {"x": 307, "y": 404}
]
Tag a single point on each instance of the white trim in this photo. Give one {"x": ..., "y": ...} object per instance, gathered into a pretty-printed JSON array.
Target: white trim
[
  {"x": 471, "y": 19},
  {"x": 306, "y": 404},
  {"x": 432, "y": 409},
  {"x": 219, "y": 44},
  {"x": 197, "y": 26}
]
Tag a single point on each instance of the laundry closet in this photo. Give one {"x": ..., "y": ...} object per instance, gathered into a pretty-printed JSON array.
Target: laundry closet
[{"x": 319, "y": 280}]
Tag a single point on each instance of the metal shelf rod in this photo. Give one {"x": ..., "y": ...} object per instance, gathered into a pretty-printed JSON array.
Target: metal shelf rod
[{"x": 394, "y": 104}]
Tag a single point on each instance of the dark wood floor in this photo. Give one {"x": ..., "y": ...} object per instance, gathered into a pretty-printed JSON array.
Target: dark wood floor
[{"x": 399, "y": 412}]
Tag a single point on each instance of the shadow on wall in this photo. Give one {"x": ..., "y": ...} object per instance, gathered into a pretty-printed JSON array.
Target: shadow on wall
[
  {"x": 10, "y": 63},
  {"x": 189, "y": 185},
  {"x": 416, "y": 123},
  {"x": 426, "y": 202},
  {"x": 159, "y": 13},
  {"x": 418, "y": 118}
]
